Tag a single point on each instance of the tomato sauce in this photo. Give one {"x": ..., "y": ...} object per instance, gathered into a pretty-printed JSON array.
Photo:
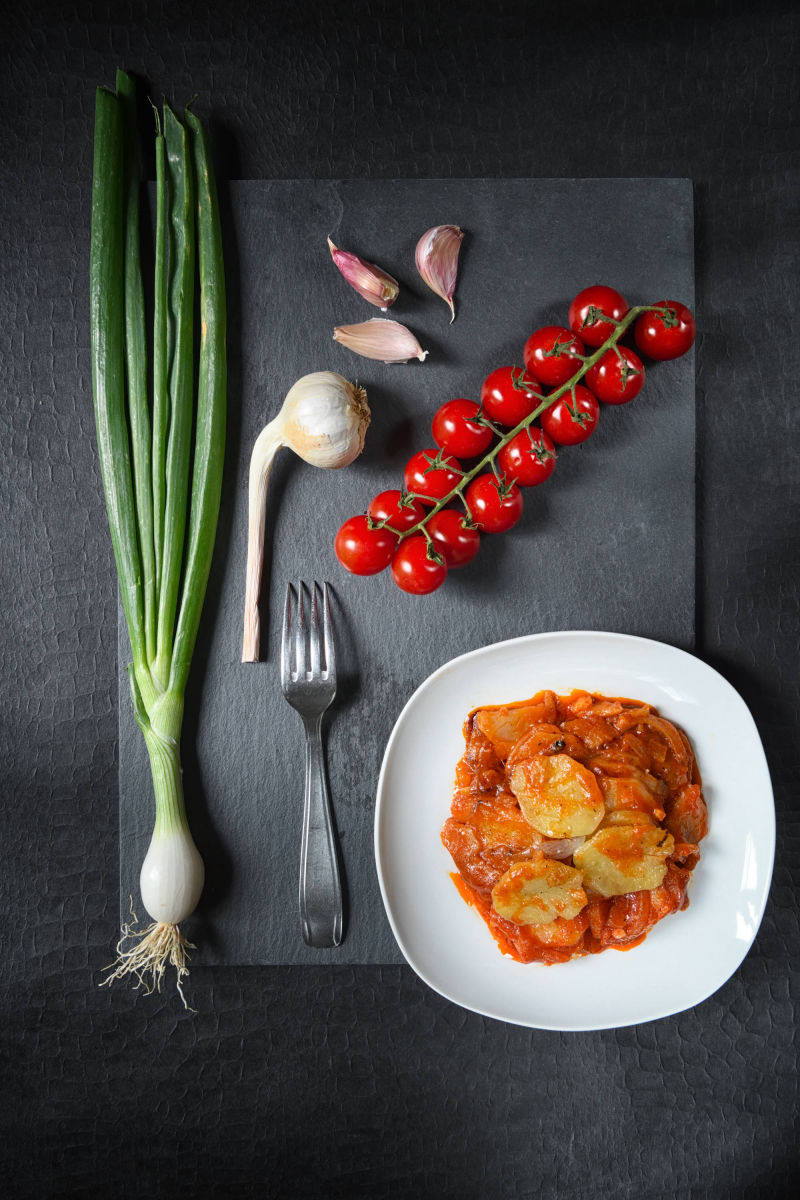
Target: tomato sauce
[{"x": 652, "y": 800}]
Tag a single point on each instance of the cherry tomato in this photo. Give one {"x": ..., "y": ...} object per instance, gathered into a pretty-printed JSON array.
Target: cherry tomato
[
  {"x": 494, "y": 508},
  {"x": 618, "y": 377},
  {"x": 508, "y": 396},
  {"x": 668, "y": 335},
  {"x": 413, "y": 569},
  {"x": 390, "y": 506},
  {"x": 431, "y": 474},
  {"x": 529, "y": 458},
  {"x": 590, "y": 306},
  {"x": 552, "y": 354},
  {"x": 364, "y": 551},
  {"x": 456, "y": 433},
  {"x": 569, "y": 421},
  {"x": 456, "y": 542}
]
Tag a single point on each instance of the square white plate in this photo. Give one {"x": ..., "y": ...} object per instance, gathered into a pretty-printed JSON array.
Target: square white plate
[{"x": 685, "y": 957}]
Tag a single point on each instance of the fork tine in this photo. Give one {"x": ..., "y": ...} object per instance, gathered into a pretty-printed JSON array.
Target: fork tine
[
  {"x": 327, "y": 633},
  {"x": 313, "y": 638},
  {"x": 300, "y": 632},
  {"x": 286, "y": 654}
]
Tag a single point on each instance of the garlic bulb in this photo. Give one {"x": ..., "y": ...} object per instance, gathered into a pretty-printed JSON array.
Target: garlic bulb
[{"x": 324, "y": 420}]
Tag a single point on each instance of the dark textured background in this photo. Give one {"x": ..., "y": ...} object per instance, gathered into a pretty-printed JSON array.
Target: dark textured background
[{"x": 359, "y": 1082}]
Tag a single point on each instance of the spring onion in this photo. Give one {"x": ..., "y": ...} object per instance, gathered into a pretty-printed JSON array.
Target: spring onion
[{"x": 161, "y": 461}]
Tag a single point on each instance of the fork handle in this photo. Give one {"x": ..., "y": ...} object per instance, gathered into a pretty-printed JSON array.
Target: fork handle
[{"x": 320, "y": 880}]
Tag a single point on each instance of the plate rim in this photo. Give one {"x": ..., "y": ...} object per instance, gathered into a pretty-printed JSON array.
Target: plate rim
[{"x": 577, "y": 634}]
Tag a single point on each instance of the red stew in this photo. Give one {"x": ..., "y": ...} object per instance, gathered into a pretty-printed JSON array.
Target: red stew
[{"x": 575, "y": 823}]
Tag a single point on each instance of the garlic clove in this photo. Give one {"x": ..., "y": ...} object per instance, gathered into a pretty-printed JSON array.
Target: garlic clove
[
  {"x": 437, "y": 261},
  {"x": 376, "y": 286},
  {"x": 379, "y": 338}
]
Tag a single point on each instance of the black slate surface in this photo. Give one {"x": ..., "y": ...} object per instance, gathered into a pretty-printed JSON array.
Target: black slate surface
[
  {"x": 343, "y": 1082},
  {"x": 608, "y": 543}
]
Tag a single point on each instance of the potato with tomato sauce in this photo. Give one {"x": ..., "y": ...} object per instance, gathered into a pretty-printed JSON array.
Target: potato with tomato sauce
[{"x": 575, "y": 823}]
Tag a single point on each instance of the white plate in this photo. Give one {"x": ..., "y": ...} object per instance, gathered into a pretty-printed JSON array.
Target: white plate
[{"x": 685, "y": 957}]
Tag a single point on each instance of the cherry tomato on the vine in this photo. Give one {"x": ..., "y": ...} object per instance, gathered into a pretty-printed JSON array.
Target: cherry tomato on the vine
[
  {"x": 529, "y": 458},
  {"x": 431, "y": 474},
  {"x": 364, "y": 551},
  {"x": 401, "y": 513},
  {"x": 413, "y": 569},
  {"x": 493, "y": 506},
  {"x": 508, "y": 396},
  {"x": 665, "y": 335},
  {"x": 456, "y": 542},
  {"x": 570, "y": 422},
  {"x": 553, "y": 354},
  {"x": 456, "y": 433},
  {"x": 588, "y": 309},
  {"x": 618, "y": 377}
]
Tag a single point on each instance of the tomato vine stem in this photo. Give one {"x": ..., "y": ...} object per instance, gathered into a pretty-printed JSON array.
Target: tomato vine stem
[{"x": 488, "y": 460}]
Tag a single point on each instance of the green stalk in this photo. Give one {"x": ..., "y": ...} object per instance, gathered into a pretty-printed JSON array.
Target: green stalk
[
  {"x": 209, "y": 448},
  {"x": 136, "y": 358},
  {"x": 146, "y": 466},
  {"x": 106, "y": 298},
  {"x": 160, "y": 397},
  {"x": 181, "y": 380}
]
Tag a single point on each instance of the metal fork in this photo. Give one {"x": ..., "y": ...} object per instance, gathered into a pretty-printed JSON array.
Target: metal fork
[{"x": 310, "y": 688}]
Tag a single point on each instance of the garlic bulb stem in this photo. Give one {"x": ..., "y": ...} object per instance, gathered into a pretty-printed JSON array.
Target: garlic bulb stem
[
  {"x": 324, "y": 420},
  {"x": 267, "y": 445}
]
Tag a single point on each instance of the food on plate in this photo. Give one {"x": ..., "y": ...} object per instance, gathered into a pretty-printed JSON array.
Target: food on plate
[
  {"x": 324, "y": 420},
  {"x": 575, "y": 823},
  {"x": 436, "y": 257},
  {"x": 485, "y": 452},
  {"x": 371, "y": 282},
  {"x": 161, "y": 457}
]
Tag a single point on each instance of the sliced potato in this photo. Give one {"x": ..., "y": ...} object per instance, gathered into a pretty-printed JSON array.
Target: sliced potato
[
  {"x": 557, "y": 795},
  {"x": 537, "y": 891},
  {"x": 625, "y": 858}
]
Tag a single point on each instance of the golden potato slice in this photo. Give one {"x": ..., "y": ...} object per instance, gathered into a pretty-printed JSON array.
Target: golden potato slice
[
  {"x": 538, "y": 891},
  {"x": 557, "y": 795},
  {"x": 625, "y": 858}
]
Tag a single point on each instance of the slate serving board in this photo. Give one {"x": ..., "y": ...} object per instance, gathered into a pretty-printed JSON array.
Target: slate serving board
[{"x": 608, "y": 543}]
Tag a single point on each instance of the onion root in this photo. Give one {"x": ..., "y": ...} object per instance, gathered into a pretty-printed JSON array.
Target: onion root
[{"x": 154, "y": 948}]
